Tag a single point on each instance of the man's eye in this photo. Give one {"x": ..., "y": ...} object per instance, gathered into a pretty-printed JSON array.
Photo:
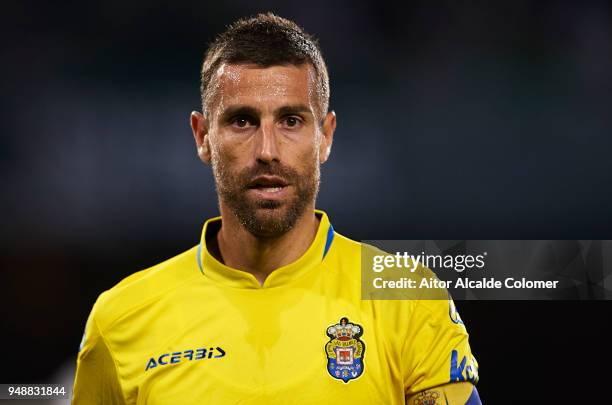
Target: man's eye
[
  {"x": 241, "y": 122},
  {"x": 292, "y": 122}
]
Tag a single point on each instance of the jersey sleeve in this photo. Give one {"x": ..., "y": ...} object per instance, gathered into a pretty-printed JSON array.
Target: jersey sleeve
[
  {"x": 436, "y": 350},
  {"x": 96, "y": 380}
]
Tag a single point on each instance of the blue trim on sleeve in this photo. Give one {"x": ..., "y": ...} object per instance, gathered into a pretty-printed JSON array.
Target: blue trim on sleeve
[
  {"x": 200, "y": 258},
  {"x": 328, "y": 242},
  {"x": 474, "y": 399}
]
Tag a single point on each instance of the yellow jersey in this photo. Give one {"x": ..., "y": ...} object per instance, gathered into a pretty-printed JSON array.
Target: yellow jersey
[{"x": 191, "y": 330}]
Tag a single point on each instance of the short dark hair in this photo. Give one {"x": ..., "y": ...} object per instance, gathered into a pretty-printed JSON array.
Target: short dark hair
[{"x": 265, "y": 40}]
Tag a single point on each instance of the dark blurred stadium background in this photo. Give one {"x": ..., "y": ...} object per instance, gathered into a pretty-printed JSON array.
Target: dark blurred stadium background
[{"x": 457, "y": 120}]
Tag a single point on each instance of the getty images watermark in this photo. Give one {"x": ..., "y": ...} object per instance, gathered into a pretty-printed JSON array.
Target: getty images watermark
[
  {"x": 492, "y": 270},
  {"x": 403, "y": 261}
]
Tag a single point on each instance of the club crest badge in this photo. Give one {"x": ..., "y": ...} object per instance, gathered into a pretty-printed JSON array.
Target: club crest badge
[
  {"x": 345, "y": 350},
  {"x": 427, "y": 398}
]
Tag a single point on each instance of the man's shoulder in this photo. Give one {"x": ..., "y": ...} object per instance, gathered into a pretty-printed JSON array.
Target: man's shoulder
[
  {"x": 344, "y": 245},
  {"x": 145, "y": 287},
  {"x": 349, "y": 252},
  {"x": 350, "y": 256}
]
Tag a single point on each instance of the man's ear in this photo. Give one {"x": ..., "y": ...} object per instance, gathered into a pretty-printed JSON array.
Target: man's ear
[
  {"x": 199, "y": 126},
  {"x": 328, "y": 128}
]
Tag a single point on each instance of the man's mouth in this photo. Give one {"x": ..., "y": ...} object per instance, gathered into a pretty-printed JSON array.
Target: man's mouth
[
  {"x": 268, "y": 187},
  {"x": 268, "y": 183}
]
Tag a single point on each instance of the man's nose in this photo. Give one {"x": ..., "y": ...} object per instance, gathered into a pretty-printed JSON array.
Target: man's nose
[{"x": 266, "y": 145}]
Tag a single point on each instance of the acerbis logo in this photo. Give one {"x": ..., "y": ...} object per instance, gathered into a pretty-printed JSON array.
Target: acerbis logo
[{"x": 186, "y": 355}]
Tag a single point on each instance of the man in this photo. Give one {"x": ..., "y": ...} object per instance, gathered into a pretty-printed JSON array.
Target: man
[{"x": 267, "y": 307}]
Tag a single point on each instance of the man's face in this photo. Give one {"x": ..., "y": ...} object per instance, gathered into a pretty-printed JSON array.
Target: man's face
[{"x": 265, "y": 143}]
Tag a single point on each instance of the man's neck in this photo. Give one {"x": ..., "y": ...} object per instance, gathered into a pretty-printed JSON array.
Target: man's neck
[{"x": 238, "y": 248}]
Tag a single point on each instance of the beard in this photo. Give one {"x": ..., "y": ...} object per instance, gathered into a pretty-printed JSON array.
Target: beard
[{"x": 266, "y": 218}]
